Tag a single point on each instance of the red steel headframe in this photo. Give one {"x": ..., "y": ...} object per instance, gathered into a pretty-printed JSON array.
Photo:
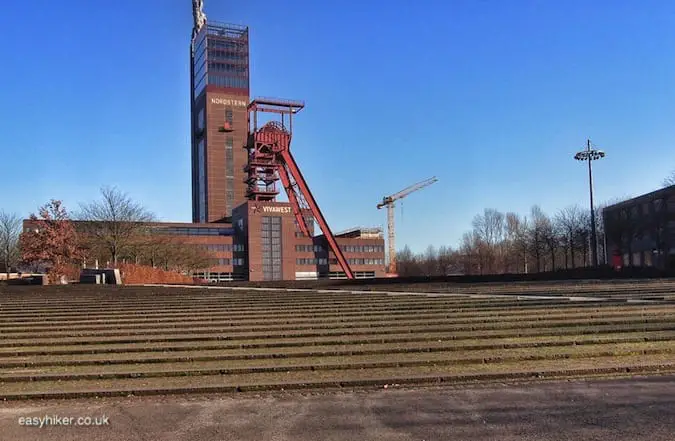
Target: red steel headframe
[{"x": 275, "y": 137}]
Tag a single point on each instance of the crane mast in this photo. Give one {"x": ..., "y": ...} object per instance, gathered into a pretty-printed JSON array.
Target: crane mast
[{"x": 389, "y": 202}]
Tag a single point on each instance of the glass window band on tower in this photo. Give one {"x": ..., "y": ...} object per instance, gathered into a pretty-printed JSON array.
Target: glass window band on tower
[
  {"x": 199, "y": 62},
  {"x": 220, "y": 57}
]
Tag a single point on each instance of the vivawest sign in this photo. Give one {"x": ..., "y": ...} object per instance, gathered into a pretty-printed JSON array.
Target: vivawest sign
[{"x": 272, "y": 209}]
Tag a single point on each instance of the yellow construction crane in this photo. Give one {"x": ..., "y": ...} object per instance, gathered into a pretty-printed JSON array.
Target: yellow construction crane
[{"x": 388, "y": 201}]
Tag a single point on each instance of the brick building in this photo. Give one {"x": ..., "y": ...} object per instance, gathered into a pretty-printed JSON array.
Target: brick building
[
  {"x": 641, "y": 231},
  {"x": 249, "y": 240}
]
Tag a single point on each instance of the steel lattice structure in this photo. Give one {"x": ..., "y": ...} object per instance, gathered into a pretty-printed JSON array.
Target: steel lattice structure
[{"x": 270, "y": 160}]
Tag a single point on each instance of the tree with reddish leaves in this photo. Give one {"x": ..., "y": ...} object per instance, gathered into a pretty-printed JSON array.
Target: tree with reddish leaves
[{"x": 52, "y": 240}]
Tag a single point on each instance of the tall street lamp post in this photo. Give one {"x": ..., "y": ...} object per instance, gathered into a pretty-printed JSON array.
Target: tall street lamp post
[{"x": 591, "y": 154}]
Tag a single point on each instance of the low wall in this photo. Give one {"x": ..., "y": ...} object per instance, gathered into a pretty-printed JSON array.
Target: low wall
[
  {"x": 577, "y": 274},
  {"x": 140, "y": 274}
]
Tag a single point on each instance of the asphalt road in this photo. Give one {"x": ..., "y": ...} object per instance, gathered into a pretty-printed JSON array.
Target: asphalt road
[{"x": 637, "y": 409}]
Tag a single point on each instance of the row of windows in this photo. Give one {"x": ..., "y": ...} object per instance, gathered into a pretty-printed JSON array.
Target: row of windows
[
  {"x": 646, "y": 208},
  {"x": 344, "y": 248},
  {"x": 222, "y": 247},
  {"x": 365, "y": 261},
  {"x": 312, "y": 261},
  {"x": 225, "y": 44},
  {"x": 362, "y": 248},
  {"x": 222, "y": 261},
  {"x": 227, "y": 67},
  {"x": 217, "y": 248},
  {"x": 238, "y": 261},
  {"x": 231, "y": 56},
  {"x": 196, "y": 231},
  {"x": 324, "y": 261},
  {"x": 233, "y": 82},
  {"x": 309, "y": 248}
]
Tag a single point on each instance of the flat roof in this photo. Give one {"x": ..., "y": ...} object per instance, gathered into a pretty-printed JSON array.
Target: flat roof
[{"x": 661, "y": 192}]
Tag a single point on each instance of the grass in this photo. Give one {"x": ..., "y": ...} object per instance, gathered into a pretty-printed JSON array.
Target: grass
[{"x": 132, "y": 339}]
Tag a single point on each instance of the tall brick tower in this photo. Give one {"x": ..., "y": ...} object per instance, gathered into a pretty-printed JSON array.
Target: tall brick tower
[{"x": 219, "y": 92}]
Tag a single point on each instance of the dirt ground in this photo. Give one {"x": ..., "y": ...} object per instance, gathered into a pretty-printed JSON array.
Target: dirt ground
[{"x": 634, "y": 409}]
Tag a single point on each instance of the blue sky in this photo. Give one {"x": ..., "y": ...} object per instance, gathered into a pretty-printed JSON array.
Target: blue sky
[{"x": 492, "y": 97}]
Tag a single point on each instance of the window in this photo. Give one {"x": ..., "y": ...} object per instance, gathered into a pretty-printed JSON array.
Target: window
[
  {"x": 201, "y": 159},
  {"x": 223, "y": 261},
  {"x": 230, "y": 195},
  {"x": 239, "y": 82},
  {"x": 230, "y": 119},
  {"x": 200, "y": 119},
  {"x": 670, "y": 203}
]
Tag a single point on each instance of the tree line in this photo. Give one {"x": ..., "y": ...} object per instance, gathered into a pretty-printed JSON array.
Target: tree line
[
  {"x": 108, "y": 231},
  {"x": 115, "y": 229},
  {"x": 501, "y": 243}
]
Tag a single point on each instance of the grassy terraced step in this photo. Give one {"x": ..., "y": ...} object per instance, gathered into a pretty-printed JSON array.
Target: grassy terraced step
[
  {"x": 75, "y": 373},
  {"x": 348, "y": 329},
  {"x": 324, "y": 378},
  {"x": 281, "y": 348},
  {"x": 473, "y": 308},
  {"x": 401, "y": 325},
  {"x": 267, "y": 340},
  {"x": 317, "y": 312},
  {"x": 390, "y": 306},
  {"x": 199, "y": 354},
  {"x": 431, "y": 319},
  {"x": 224, "y": 320},
  {"x": 527, "y": 286},
  {"x": 345, "y": 299}
]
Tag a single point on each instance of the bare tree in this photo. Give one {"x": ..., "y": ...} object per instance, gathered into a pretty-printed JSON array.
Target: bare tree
[
  {"x": 406, "y": 263},
  {"x": 670, "y": 180},
  {"x": 114, "y": 222},
  {"x": 570, "y": 221},
  {"x": 551, "y": 239},
  {"x": 429, "y": 261},
  {"x": 10, "y": 228},
  {"x": 537, "y": 235},
  {"x": 489, "y": 228},
  {"x": 516, "y": 236}
]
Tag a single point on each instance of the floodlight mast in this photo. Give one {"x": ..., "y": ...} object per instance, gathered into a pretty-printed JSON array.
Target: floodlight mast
[{"x": 590, "y": 155}]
